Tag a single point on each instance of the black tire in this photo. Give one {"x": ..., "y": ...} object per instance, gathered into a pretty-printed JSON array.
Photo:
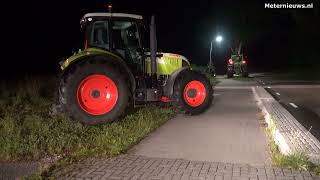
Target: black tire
[
  {"x": 71, "y": 79},
  {"x": 181, "y": 82},
  {"x": 229, "y": 74},
  {"x": 244, "y": 70}
]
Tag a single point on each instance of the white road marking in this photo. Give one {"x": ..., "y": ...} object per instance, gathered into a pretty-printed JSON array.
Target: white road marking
[
  {"x": 293, "y": 105},
  {"x": 278, "y": 93},
  {"x": 296, "y": 86}
]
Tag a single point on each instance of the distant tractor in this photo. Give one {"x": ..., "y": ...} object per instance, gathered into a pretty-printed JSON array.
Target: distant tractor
[
  {"x": 237, "y": 64},
  {"x": 116, "y": 71}
]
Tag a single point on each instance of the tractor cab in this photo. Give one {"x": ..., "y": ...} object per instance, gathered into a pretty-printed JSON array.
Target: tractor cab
[{"x": 117, "y": 32}]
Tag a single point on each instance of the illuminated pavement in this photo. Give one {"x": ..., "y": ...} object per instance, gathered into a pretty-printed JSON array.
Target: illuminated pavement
[{"x": 228, "y": 132}]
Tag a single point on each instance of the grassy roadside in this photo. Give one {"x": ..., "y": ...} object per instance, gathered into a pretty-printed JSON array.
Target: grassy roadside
[
  {"x": 295, "y": 161},
  {"x": 29, "y": 131}
]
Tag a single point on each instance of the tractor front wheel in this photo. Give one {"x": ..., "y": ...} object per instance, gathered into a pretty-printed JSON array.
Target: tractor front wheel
[
  {"x": 94, "y": 92},
  {"x": 193, "y": 93}
]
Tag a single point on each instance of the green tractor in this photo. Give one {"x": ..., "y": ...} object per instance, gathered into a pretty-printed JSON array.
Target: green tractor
[
  {"x": 116, "y": 71},
  {"x": 237, "y": 64}
]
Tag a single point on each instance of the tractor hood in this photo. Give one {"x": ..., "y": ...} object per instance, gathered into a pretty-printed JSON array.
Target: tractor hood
[
  {"x": 170, "y": 55},
  {"x": 167, "y": 63},
  {"x": 161, "y": 56}
]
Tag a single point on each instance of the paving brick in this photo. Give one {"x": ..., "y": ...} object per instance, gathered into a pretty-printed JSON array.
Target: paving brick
[
  {"x": 144, "y": 168},
  {"x": 240, "y": 178},
  {"x": 115, "y": 178},
  {"x": 236, "y": 169},
  {"x": 176, "y": 176},
  {"x": 236, "y": 174},
  {"x": 185, "y": 177},
  {"x": 284, "y": 178},
  {"x": 218, "y": 178},
  {"x": 135, "y": 177},
  {"x": 298, "y": 177},
  {"x": 195, "y": 173},
  {"x": 197, "y": 178},
  {"x": 227, "y": 177},
  {"x": 168, "y": 177},
  {"x": 105, "y": 176}
]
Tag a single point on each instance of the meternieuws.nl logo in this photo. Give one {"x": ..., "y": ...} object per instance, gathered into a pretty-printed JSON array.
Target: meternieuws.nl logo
[{"x": 287, "y": 6}]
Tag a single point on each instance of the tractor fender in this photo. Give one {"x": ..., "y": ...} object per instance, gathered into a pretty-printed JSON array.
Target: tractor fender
[
  {"x": 108, "y": 57},
  {"x": 168, "y": 88}
]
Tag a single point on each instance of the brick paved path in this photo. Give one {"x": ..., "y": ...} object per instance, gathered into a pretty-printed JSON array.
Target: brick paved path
[{"x": 141, "y": 167}]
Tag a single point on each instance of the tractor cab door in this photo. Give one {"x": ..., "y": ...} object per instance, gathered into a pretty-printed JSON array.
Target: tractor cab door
[
  {"x": 97, "y": 35},
  {"x": 126, "y": 42}
]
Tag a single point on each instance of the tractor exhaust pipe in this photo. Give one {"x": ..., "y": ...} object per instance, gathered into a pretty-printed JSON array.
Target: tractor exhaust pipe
[{"x": 153, "y": 51}]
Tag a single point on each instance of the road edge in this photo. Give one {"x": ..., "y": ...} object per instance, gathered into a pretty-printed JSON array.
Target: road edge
[{"x": 287, "y": 132}]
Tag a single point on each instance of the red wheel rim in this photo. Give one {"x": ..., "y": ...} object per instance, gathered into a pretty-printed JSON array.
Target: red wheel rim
[
  {"x": 194, "y": 93},
  {"x": 97, "y": 94}
]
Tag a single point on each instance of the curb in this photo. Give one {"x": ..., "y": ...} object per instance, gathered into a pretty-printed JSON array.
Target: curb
[{"x": 287, "y": 132}]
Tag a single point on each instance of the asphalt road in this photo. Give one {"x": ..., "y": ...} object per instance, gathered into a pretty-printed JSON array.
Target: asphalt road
[
  {"x": 300, "y": 97},
  {"x": 228, "y": 132}
]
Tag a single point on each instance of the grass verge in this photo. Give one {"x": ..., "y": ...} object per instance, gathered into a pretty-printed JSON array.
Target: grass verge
[
  {"x": 295, "y": 161},
  {"x": 30, "y": 132}
]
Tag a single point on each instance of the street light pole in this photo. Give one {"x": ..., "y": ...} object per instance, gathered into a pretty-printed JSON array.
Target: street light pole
[
  {"x": 210, "y": 58},
  {"x": 210, "y": 65}
]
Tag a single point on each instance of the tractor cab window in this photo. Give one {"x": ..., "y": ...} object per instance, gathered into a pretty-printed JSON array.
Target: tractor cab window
[
  {"x": 125, "y": 35},
  {"x": 126, "y": 40},
  {"x": 98, "y": 35}
]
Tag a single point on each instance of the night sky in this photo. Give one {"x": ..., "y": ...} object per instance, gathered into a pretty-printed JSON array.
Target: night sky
[{"x": 272, "y": 38}]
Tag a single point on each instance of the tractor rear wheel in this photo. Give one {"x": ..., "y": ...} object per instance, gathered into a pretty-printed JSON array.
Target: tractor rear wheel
[
  {"x": 94, "y": 92},
  {"x": 244, "y": 69},
  {"x": 229, "y": 74},
  {"x": 192, "y": 93}
]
